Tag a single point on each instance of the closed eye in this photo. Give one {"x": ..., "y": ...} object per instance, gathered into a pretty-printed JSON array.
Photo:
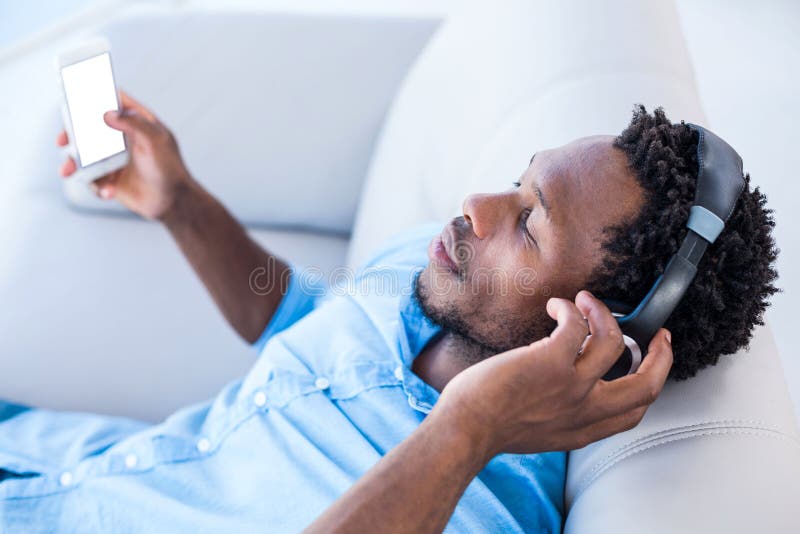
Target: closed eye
[
  {"x": 524, "y": 216},
  {"x": 524, "y": 219}
]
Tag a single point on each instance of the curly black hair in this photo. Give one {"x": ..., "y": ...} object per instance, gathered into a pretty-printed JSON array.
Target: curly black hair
[{"x": 734, "y": 279}]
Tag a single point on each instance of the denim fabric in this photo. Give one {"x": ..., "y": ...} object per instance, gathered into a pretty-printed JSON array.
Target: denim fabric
[{"x": 330, "y": 393}]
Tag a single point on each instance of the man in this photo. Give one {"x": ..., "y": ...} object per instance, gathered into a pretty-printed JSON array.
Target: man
[{"x": 341, "y": 381}]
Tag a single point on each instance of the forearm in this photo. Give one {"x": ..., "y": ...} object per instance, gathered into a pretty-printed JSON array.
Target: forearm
[
  {"x": 226, "y": 258},
  {"x": 415, "y": 488}
]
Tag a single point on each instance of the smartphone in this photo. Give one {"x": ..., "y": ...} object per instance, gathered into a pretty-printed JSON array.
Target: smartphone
[{"x": 87, "y": 83}]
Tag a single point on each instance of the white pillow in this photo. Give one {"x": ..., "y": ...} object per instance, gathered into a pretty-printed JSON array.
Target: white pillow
[{"x": 275, "y": 114}]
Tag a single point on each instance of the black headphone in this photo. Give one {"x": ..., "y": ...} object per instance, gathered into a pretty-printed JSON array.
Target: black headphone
[{"x": 720, "y": 181}]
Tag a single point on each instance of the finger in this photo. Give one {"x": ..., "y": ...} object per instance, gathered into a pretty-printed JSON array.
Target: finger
[
  {"x": 106, "y": 187},
  {"x": 129, "y": 102},
  {"x": 606, "y": 344},
  {"x": 571, "y": 330},
  {"x": 655, "y": 367},
  {"x": 608, "y": 427},
  {"x": 129, "y": 122},
  {"x": 638, "y": 389},
  {"x": 67, "y": 168},
  {"x": 62, "y": 139}
]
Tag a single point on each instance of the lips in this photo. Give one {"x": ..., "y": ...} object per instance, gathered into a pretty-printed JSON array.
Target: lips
[{"x": 439, "y": 251}]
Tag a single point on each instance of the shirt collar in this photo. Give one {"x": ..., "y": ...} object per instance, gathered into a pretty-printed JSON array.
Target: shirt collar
[{"x": 414, "y": 332}]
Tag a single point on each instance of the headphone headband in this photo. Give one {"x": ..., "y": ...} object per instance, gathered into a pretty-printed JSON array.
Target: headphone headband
[{"x": 720, "y": 181}]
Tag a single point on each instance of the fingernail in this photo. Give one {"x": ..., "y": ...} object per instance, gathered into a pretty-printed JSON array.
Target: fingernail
[
  {"x": 113, "y": 114},
  {"x": 669, "y": 337},
  {"x": 105, "y": 192}
]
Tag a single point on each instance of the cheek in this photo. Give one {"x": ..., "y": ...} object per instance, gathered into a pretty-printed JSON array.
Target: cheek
[
  {"x": 515, "y": 321},
  {"x": 508, "y": 282}
]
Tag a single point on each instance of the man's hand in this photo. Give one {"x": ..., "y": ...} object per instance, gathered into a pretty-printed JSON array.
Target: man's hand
[
  {"x": 543, "y": 397},
  {"x": 155, "y": 173},
  {"x": 549, "y": 395},
  {"x": 156, "y": 184}
]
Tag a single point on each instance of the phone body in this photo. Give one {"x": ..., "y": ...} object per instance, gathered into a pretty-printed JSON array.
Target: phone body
[{"x": 86, "y": 77}]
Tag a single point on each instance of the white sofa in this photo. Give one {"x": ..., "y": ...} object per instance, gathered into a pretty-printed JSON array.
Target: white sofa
[{"x": 718, "y": 453}]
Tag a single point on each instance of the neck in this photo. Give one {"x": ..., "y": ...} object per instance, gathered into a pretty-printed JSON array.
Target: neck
[{"x": 444, "y": 357}]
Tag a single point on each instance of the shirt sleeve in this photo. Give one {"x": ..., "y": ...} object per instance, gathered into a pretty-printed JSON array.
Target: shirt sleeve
[{"x": 306, "y": 288}]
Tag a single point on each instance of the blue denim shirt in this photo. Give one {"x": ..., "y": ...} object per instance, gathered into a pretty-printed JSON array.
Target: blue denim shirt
[{"x": 331, "y": 393}]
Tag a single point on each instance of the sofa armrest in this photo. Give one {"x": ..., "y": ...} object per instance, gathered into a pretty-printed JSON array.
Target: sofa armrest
[
  {"x": 717, "y": 453},
  {"x": 727, "y": 479}
]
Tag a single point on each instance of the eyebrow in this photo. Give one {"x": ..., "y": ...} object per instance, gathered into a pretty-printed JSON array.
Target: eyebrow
[{"x": 539, "y": 193}]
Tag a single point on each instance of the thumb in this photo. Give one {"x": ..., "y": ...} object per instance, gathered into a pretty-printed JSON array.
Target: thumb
[
  {"x": 106, "y": 187},
  {"x": 128, "y": 121}
]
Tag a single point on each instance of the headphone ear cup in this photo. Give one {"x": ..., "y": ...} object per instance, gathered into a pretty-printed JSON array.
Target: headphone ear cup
[
  {"x": 634, "y": 352},
  {"x": 632, "y": 356},
  {"x": 620, "y": 367},
  {"x": 623, "y": 363}
]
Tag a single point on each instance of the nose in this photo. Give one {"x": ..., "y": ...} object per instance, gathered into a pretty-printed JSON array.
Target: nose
[{"x": 482, "y": 212}]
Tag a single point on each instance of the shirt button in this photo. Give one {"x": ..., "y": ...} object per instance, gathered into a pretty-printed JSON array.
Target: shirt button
[
  {"x": 260, "y": 399},
  {"x": 322, "y": 383},
  {"x": 131, "y": 460},
  {"x": 398, "y": 372},
  {"x": 203, "y": 445},
  {"x": 65, "y": 479}
]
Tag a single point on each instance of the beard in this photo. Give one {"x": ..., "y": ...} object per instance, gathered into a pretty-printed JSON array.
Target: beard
[{"x": 474, "y": 336}]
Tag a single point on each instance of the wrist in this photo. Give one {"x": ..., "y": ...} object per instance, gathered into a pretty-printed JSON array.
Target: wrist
[
  {"x": 465, "y": 434},
  {"x": 185, "y": 195}
]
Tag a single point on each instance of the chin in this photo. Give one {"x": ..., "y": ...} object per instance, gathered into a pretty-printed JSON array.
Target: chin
[{"x": 436, "y": 289}]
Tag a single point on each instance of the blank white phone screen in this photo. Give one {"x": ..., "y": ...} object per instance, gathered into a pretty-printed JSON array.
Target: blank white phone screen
[{"x": 90, "y": 91}]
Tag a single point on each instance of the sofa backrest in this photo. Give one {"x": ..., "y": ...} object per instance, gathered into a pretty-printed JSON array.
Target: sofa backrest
[
  {"x": 276, "y": 113},
  {"x": 497, "y": 83}
]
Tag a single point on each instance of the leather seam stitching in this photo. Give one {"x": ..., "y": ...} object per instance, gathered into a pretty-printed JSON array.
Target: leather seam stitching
[
  {"x": 599, "y": 470},
  {"x": 682, "y": 433},
  {"x": 686, "y": 428}
]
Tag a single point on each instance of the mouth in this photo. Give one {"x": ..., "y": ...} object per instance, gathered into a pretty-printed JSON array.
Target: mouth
[{"x": 439, "y": 252}]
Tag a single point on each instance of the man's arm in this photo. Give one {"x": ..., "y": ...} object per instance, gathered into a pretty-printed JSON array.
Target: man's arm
[
  {"x": 157, "y": 185},
  {"x": 414, "y": 488},
  {"x": 226, "y": 258},
  {"x": 538, "y": 398}
]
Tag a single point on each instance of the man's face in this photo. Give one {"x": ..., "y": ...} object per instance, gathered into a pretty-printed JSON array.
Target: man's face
[{"x": 493, "y": 269}]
